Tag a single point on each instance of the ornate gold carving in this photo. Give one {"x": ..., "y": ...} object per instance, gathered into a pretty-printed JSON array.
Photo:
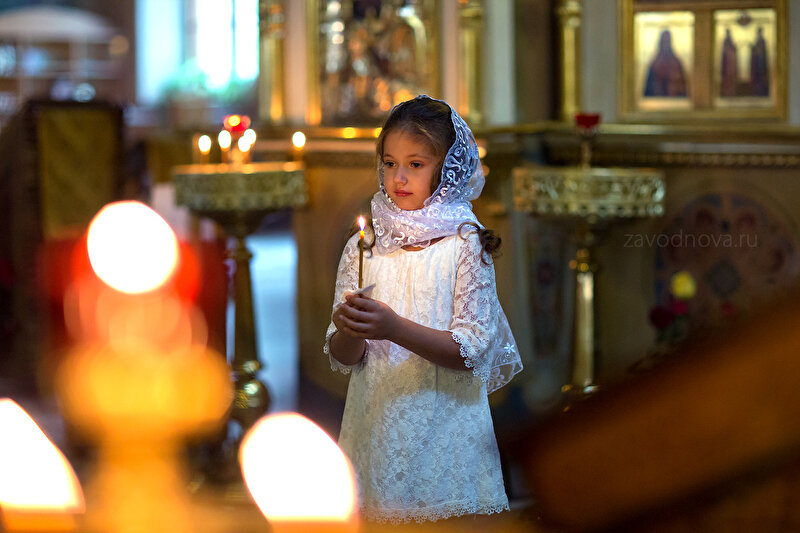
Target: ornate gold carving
[
  {"x": 625, "y": 156},
  {"x": 592, "y": 192},
  {"x": 252, "y": 187}
]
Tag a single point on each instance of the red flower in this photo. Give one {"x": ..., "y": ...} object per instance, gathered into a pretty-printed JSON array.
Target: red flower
[
  {"x": 661, "y": 317},
  {"x": 587, "y": 120},
  {"x": 679, "y": 307}
]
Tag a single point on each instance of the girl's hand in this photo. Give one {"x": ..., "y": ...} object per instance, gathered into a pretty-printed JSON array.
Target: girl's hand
[
  {"x": 341, "y": 321},
  {"x": 367, "y": 318}
]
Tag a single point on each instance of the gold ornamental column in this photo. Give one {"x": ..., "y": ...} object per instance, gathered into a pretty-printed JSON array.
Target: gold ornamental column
[
  {"x": 470, "y": 29},
  {"x": 271, "y": 32},
  {"x": 588, "y": 199},
  {"x": 238, "y": 197},
  {"x": 569, "y": 21}
]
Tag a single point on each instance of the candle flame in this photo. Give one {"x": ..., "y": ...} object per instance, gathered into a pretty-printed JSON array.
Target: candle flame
[
  {"x": 204, "y": 144},
  {"x": 131, "y": 247},
  {"x": 298, "y": 140},
  {"x": 361, "y": 223},
  {"x": 295, "y": 471},
  {"x": 224, "y": 139},
  {"x": 36, "y": 475}
]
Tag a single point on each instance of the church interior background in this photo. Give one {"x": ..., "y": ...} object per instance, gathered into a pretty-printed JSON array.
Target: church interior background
[{"x": 641, "y": 160}]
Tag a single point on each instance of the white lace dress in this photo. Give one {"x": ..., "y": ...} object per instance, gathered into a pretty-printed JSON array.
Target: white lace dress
[{"x": 420, "y": 436}]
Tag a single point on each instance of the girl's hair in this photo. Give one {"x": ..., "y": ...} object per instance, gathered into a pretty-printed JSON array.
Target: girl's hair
[
  {"x": 424, "y": 118},
  {"x": 490, "y": 241}
]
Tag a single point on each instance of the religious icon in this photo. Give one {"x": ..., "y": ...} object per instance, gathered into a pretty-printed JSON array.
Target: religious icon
[
  {"x": 681, "y": 61},
  {"x": 729, "y": 70},
  {"x": 664, "y": 52},
  {"x": 374, "y": 54},
  {"x": 665, "y": 76},
  {"x": 744, "y": 56}
]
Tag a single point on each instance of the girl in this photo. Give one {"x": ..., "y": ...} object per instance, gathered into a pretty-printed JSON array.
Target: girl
[{"x": 432, "y": 341}]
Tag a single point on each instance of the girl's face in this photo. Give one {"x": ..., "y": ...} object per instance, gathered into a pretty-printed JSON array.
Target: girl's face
[{"x": 408, "y": 169}]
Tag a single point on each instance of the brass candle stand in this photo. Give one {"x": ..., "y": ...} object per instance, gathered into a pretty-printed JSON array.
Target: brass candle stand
[
  {"x": 588, "y": 199},
  {"x": 238, "y": 197}
]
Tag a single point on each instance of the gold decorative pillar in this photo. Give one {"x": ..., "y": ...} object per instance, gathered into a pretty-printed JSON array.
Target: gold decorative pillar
[
  {"x": 271, "y": 32},
  {"x": 238, "y": 197},
  {"x": 588, "y": 199},
  {"x": 569, "y": 21},
  {"x": 470, "y": 29}
]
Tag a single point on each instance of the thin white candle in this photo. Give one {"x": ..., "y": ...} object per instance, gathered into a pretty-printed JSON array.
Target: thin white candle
[{"x": 361, "y": 223}]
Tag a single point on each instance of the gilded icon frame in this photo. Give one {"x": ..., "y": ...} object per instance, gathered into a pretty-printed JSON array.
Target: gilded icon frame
[
  {"x": 420, "y": 27},
  {"x": 690, "y": 84}
]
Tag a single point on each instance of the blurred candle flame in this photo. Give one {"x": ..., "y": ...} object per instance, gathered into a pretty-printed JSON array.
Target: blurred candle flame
[
  {"x": 131, "y": 247},
  {"x": 298, "y": 140},
  {"x": 243, "y": 144},
  {"x": 250, "y": 136},
  {"x": 297, "y": 473},
  {"x": 204, "y": 144},
  {"x": 224, "y": 139},
  {"x": 36, "y": 480}
]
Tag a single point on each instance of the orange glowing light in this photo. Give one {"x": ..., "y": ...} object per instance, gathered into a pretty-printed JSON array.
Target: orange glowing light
[
  {"x": 349, "y": 133},
  {"x": 131, "y": 247},
  {"x": 297, "y": 473},
  {"x": 35, "y": 477}
]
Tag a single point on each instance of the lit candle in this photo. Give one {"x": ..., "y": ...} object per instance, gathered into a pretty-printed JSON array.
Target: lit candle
[
  {"x": 204, "y": 145},
  {"x": 298, "y": 477},
  {"x": 361, "y": 223},
  {"x": 244, "y": 145},
  {"x": 224, "y": 140},
  {"x": 298, "y": 142},
  {"x": 39, "y": 491}
]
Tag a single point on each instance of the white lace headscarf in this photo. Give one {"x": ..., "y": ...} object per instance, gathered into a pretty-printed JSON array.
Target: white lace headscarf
[{"x": 445, "y": 210}]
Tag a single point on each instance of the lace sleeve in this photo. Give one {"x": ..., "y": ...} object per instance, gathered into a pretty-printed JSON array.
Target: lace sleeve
[
  {"x": 346, "y": 279},
  {"x": 479, "y": 325}
]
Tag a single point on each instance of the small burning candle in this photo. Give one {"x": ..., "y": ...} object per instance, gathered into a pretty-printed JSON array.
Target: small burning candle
[
  {"x": 224, "y": 139},
  {"x": 244, "y": 145},
  {"x": 204, "y": 146},
  {"x": 298, "y": 142},
  {"x": 361, "y": 223}
]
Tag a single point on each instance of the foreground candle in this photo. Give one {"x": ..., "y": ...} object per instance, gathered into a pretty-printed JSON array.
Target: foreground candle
[
  {"x": 361, "y": 223},
  {"x": 39, "y": 491},
  {"x": 299, "y": 478}
]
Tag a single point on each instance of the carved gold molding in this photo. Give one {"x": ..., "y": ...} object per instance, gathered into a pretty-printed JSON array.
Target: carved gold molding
[
  {"x": 272, "y": 30},
  {"x": 470, "y": 28},
  {"x": 569, "y": 18},
  {"x": 589, "y": 192},
  {"x": 248, "y": 187}
]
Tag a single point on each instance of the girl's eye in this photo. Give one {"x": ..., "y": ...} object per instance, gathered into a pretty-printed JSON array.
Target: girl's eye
[
  {"x": 416, "y": 164},
  {"x": 389, "y": 164}
]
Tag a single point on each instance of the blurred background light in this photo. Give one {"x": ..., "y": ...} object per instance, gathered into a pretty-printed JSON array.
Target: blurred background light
[{"x": 131, "y": 247}]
